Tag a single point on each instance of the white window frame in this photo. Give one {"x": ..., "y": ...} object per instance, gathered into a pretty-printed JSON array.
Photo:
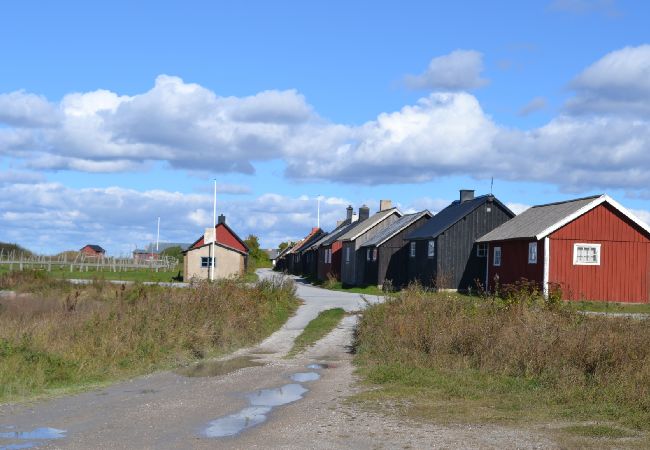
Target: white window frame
[
  {"x": 481, "y": 250},
  {"x": 374, "y": 254},
  {"x": 368, "y": 254},
  {"x": 347, "y": 255},
  {"x": 583, "y": 245},
  {"x": 412, "y": 250},
  {"x": 532, "y": 253},
  {"x": 431, "y": 249},
  {"x": 496, "y": 262}
]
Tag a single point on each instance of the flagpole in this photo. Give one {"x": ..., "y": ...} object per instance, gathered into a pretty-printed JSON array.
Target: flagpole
[{"x": 214, "y": 229}]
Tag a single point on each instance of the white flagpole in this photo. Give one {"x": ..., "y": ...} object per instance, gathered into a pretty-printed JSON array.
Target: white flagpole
[
  {"x": 318, "y": 213},
  {"x": 158, "y": 235},
  {"x": 214, "y": 229}
]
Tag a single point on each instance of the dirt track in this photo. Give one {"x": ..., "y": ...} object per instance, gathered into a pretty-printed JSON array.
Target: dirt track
[{"x": 168, "y": 410}]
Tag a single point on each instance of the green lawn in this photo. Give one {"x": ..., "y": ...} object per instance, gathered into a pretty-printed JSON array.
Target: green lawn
[
  {"x": 315, "y": 330},
  {"x": 131, "y": 275},
  {"x": 613, "y": 307}
]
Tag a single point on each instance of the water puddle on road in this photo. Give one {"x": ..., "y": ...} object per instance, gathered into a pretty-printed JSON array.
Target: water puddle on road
[
  {"x": 216, "y": 368},
  {"x": 15, "y": 440},
  {"x": 317, "y": 366},
  {"x": 303, "y": 377},
  {"x": 262, "y": 403}
]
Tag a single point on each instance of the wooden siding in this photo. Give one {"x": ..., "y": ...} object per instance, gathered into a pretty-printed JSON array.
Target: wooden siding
[
  {"x": 333, "y": 268},
  {"x": 392, "y": 259},
  {"x": 514, "y": 263},
  {"x": 456, "y": 265},
  {"x": 352, "y": 274},
  {"x": 622, "y": 275}
]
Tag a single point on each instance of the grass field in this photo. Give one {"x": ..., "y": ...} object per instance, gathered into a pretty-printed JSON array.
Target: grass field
[
  {"x": 131, "y": 275},
  {"x": 521, "y": 360},
  {"x": 316, "y": 329},
  {"x": 57, "y": 336}
]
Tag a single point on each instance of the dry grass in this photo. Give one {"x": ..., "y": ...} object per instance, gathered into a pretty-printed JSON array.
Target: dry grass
[
  {"x": 54, "y": 334},
  {"x": 506, "y": 359}
]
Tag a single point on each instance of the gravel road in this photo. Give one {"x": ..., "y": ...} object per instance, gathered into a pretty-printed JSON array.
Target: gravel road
[{"x": 284, "y": 403}]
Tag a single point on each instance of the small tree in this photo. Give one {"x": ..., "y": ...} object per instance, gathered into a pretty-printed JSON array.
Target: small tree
[{"x": 257, "y": 256}]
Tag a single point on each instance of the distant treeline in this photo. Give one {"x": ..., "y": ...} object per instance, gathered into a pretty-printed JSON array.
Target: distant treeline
[{"x": 6, "y": 247}]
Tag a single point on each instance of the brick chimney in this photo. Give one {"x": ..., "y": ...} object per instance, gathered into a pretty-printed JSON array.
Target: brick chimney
[
  {"x": 466, "y": 195},
  {"x": 385, "y": 204},
  {"x": 364, "y": 213}
]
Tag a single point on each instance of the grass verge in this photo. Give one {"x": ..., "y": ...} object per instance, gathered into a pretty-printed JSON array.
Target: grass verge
[
  {"x": 130, "y": 275},
  {"x": 55, "y": 336},
  {"x": 315, "y": 330},
  {"x": 519, "y": 360}
]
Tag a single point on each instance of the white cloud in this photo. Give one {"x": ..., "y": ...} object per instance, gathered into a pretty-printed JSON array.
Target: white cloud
[
  {"x": 459, "y": 70},
  {"x": 536, "y": 104},
  {"x": 119, "y": 219},
  {"x": 183, "y": 124},
  {"x": 23, "y": 109},
  {"x": 617, "y": 83},
  {"x": 517, "y": 208}
]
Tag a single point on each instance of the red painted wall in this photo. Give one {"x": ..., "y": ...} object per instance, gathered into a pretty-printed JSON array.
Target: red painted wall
[
  {"x": 335, "y": 267},
  {"x": 622, "y": 275},
  {"x": 514, "y": 263}
]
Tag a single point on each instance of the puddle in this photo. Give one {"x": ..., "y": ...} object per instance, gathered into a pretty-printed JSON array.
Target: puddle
[
  {"x": 262, "y": 402},
  {"x": 30, "y": 439},
  {"x": 216, "y": 368},
  {"x": 233, "y": 424},
  {"x": 317, "y": 366},
  {"x": 277, "y": 396},
  {"x": 303, "y": 377}
]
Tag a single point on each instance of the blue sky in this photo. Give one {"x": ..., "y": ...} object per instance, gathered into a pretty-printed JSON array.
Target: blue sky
[{"x": 115, "y": 113}]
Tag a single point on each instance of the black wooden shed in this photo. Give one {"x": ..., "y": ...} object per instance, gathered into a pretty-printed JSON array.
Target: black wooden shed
[{"x": 443, "y": 252}]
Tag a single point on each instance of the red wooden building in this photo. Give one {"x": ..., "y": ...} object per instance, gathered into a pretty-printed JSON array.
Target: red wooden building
[
  {"x": 591, "y": 248},
  {"x": 92, "y": 250}
]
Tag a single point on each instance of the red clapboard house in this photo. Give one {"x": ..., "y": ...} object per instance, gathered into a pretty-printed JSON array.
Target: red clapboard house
[{"x": 591, "y": 248}]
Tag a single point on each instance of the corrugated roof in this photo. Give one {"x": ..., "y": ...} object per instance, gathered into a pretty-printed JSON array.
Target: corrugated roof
[
  {"x": 450, "y": 215},
  {"x": 536, "y": 219},
  {"x": 396, "y": 227},
  {"x": 361, "y": 227},
  {"x": 339, "y": 229},
  {"x": 334, "y": 235}
]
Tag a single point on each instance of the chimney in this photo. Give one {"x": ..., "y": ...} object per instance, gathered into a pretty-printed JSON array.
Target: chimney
[
  {"x": 221, "y": 219},
  {"x": 466, "y": 195},
  {"x": 208, "y": 236},
  {"x": 348, "y": 215},
  {"x": 364, "y": 213},
  {"x": 385, "y": 204}
]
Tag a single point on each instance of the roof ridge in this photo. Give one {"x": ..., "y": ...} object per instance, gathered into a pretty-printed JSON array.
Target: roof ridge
[{"x": 591, "y": 197}]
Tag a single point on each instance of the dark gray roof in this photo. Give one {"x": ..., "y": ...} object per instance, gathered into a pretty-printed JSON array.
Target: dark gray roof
[
  {"x": 272, "y": 253},
  {"x": 334, "y": 235},
  {"x": 339, "y": 229},
  {"x": 309, "y": 240},
  {"x": 162, "y": 246},
  {"x": 396, "y": 227},
  {"x": 450, "y": 215},
  {"x": 536, "y": 219},
  {"x": 362, "y": 226}
]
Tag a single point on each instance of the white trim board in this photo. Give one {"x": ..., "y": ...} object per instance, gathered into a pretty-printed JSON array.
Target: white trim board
[{"x": 588, "y": 207}]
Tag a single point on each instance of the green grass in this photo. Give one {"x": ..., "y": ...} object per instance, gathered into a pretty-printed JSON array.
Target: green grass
[
  {"x": 642, "y": 308},
  {"x": 130, "y": 275},
  {"x": 315, "y": 330}
]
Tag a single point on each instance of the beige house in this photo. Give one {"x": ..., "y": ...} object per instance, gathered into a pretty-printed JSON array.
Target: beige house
[{"x": 230, "y": 254}]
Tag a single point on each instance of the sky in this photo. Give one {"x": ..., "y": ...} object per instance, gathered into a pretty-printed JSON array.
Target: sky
[{"x": 113, "y": 114}]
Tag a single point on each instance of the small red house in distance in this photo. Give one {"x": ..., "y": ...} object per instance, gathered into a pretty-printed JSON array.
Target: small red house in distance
[
  {"x": 92, "y": 250},
  {"x": 591, "y": 248}
]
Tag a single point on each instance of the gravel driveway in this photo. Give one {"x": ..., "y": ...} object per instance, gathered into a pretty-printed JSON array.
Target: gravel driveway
[{"x": 285, "y": 403}]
